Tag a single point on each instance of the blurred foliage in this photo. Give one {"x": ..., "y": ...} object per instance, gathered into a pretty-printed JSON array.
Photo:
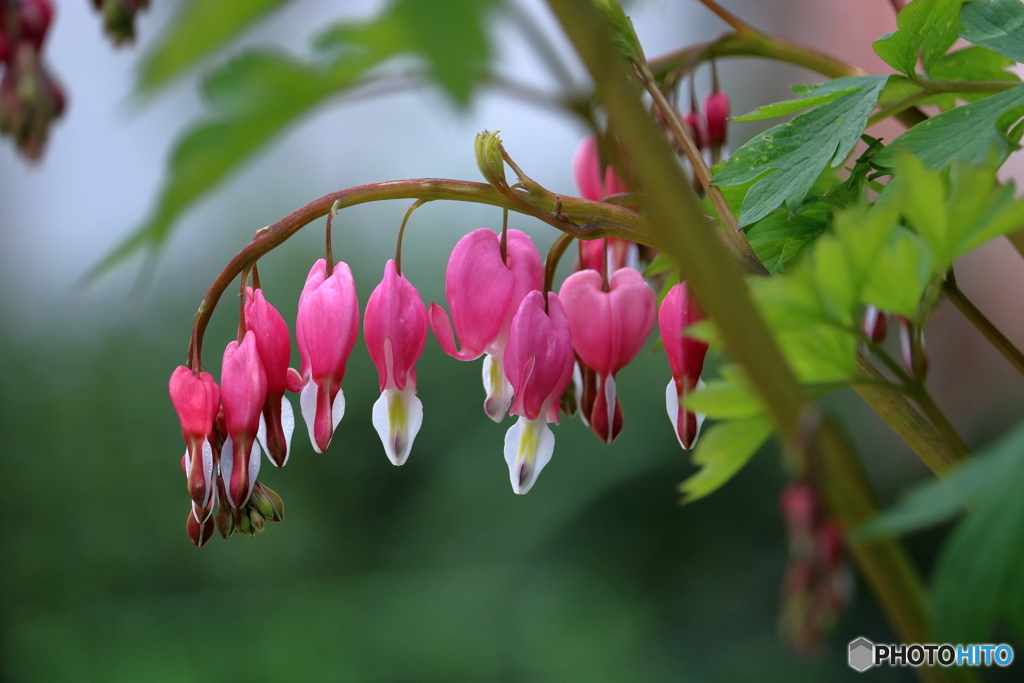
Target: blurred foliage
[{"x": 433, "y": 571}]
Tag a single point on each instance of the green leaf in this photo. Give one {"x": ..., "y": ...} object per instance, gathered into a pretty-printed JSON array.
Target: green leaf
[
  {"x": 974, "y": 64},
  {"x": 972, "y": 133},
  {"x": 940, "y": 500},
  {"x": 662, "y": 263},
  {"x": 820, "y": 353},
  {"x": 899, "y": 278},
  {"x": 258, "y": 95},
  {"x": 787, "y": 159},
  {"x": 201, "y": 28},
  {"x": 926, "y": 29},
  {"x": 779, "y": 238},
  {"x": 997, "y": 25},
  {"x": 978, "y": 578},
  {"x": 724, "y": 399},
  {"x": 722, "y": 451},
  {"x": 771, "y": 111}
]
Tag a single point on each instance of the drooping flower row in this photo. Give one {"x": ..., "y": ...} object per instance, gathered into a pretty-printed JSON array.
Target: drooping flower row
[{"x": 536, "y": 345}]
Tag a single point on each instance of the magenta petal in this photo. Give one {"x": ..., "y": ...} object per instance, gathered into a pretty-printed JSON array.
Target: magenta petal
[
  {"x": 527, "y": 275},
  {"x": 273, "y": 342},
  {"x": 196, "y": 400},
  {"x": 243, "y": 388},
  {"x": 586, "y": 168},
  {"x": 395, "y": 328},
  {"x": 608, "y": 328},
  {"x": 479, "y": 288},
  {"x": 685, "y": 354},
  {"x": 442, "y": 328},
  {"x": 538, "y": 359},
  {"x": 328, "y": 322}
]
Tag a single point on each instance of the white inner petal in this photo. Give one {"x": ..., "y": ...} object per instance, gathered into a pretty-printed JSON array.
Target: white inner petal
[
  {"x": 338, "y": 409},
  {"x": 287, "y": 426},
  {"x": 208, "y": 471},
  {"x": 528, "y": 448},
  {"x": 227, "y": 463},
  {"x": 499, "y": 391},
  {"x": 307, "y": 403},
  {"x": 254, "y": 467},
  {"x": 397, "y": 417}
]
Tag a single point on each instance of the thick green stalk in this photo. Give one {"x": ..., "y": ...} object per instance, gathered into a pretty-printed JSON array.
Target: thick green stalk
[{"x": 674, "y": 213}]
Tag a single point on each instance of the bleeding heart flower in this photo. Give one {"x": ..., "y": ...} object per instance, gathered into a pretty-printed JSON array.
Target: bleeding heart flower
[
  {"x": 196, "y": 400},
  {"x": 198, "y": 532},
  {"x": 273, "y": 344},
  {"x": 484, "y": 294},
  {"x": 685, "y": 354},
  {"x": 539, "y": 362},
  {"x": 243, "y": 384},
  {"x": 586, "y": 167},
  {"x": 326, "y": 329},
  {"x": 875, "y": 326},
  {"x": 620, "y": 254},
  {"x": 608, "y": 329},
  {"x": 395, "y": 330}
]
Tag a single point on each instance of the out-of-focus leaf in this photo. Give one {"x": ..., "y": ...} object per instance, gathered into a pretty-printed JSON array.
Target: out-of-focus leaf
[
  {"x": 787, "y": 159},
  {"x": 899, "y": 278},
  {"x": 939, "y": 500},
  {"x": 722, "y": 451},
  {"x": 972, "y": 133},
  {"x": 997, "y": 25},
  {"x": 925, "y": 30},
  {"x": 662, "y": 263},
  {"x": 978, "y": 579},
  {"x": 201, "y": 28},
  {"x": 724, "y": 399},
  {"x": 256, "y": 96},
  {"x": 974, "y": 64}
]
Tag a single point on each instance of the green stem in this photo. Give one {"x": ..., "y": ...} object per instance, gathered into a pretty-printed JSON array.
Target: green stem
[
  {"x": 674, "y": 213},
  {"x": 924, "y": 439},
  {"x": 585, "y": 219},
  {"x": 898, "y": 107},
  {"x": 401, "y": 234},
  {"x": 984, "y": 325},
  {"x": 983, "y": 87}
]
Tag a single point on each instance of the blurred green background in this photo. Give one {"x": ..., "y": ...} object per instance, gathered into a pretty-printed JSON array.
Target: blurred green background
[{"x": 434, "y": 571}]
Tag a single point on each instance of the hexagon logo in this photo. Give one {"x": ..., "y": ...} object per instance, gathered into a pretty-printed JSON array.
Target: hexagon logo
[{"x": 862, "y": 654}]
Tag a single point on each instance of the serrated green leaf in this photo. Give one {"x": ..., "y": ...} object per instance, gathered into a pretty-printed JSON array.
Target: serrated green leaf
[
  {"x": 722, "y": 451},
  {"x": 820, "y": 353},
  {"x": 721, "y": 399},
  {"x": 921, "y": 198},
  {"x": 926, "y": 29},
  {"x": 864, "y": 233},
  {"x": 779, "y": 239},
  {"x": 898, "y": 280},
  {"x": 972, "y": 133},
  {"x": 940, "y": 500},
  {"x": 200, "y": 28},
  {"x": 787, "y": 159},
  {"x": 997, "y": 25},
  {"x": 772, "y": 111}
]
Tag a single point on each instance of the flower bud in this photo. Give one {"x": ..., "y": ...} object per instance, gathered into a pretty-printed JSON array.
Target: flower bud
[
  {"x": 34, "y": 18},
  {"x": 274, "y": 347},
  {"x": 716, "y": 111},
  {"x": 488, "y": 157},
  {"x": 875, "y": 327},
  {"x": 698, "y": 129},
  {"x": 198, "y": 532},
  {"x": 119, "y": 18},
  {"x": 685, "y": 355}
]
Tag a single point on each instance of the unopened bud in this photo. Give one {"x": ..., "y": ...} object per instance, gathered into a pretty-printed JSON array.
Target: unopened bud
[
  {"x": 199, "y": 533},
  {"x": 875, "y": 325},
  {"x": 256, "y": 519},
  {"x": 695, "y": 122},
  {"x": 716, "y": 110},
  {"x": 119, "y": 18},
  {"x": 800, "y": 507},
  {"x": 488, "y": 157},
  {"x": 34, "y": 17},
  {"x": 268, "y": 503}
]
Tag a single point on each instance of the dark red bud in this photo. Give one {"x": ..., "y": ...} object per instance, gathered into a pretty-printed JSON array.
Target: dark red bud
[
  {"x": 915, "y": 358},
  {"x": 799, "y": 505},
  {"x": 199, "y": 533},
  {"x": 34, "y": 18},
  {"x": 829, "y": 544},
  {"x": 696, "y": 123},
  {"x": 875, "y": 325},
  {"x": 5, "y": 47}
]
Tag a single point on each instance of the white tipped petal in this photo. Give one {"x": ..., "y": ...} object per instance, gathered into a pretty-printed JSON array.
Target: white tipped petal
[
  {"x": 499, "y": 391},
  {"x": 633, "y": 256},
  {"x": 528, "y": 448},
  {"x": 188, "y": 463},
  {"x": 307, "y": 404},
  {"x": 254, "y": 466},
  {"x": 337, "y": 410},
  {"x": 227, "y": 463},
  {"x": 208, "y": 471},
  {"x": 672, "y": 406},
  {"x": 397, "y": 417},
  {"x": 610, "y": 401},
  {"x": 577, "y": 384},
  {"x": 261, "y": 434},
  {"x": 288, "y": 427}
]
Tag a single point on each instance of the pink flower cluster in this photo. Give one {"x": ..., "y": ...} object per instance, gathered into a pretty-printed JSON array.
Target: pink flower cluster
[{"x": 534, "y": 343}]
